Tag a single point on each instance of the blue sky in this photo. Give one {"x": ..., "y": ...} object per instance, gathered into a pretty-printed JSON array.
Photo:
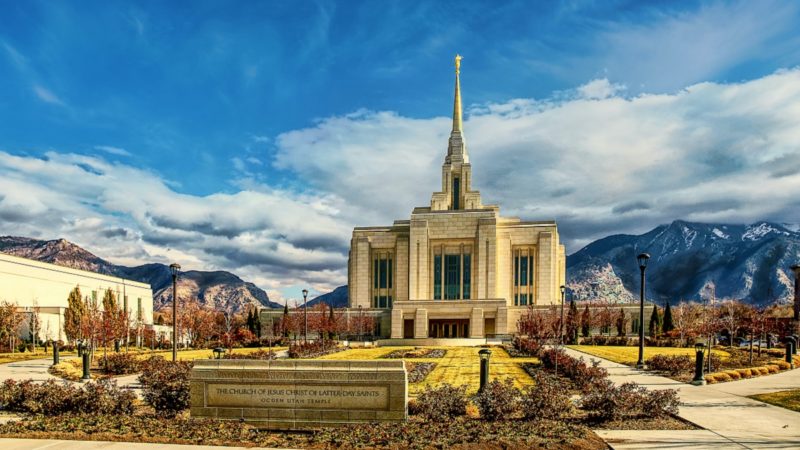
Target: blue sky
[{"x": 235, "y": 135}]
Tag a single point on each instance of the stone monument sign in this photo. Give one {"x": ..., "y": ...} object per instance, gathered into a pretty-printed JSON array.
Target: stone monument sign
[{"x": 292, "y": 394}]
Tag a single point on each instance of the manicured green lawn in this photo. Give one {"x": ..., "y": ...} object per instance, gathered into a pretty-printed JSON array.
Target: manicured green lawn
[
  {"x": 629, "y": 355},
  {"x": 460, "y": 365},
  {"x": 784, "y": 399}
]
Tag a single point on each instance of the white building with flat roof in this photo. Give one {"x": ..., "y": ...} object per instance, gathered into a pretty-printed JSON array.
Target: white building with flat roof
[{"x": 32, "y": 284}]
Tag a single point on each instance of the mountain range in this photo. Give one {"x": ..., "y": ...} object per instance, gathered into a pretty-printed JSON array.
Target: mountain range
[
  {"x": 218, "y": 289},
  {"x": 691, "y": 261}
]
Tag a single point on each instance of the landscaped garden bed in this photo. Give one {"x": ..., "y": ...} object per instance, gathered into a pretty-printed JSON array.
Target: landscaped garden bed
[
  {"x": 314, "y": 349},
  {"x": 417, "y": 371},
  {"x": 416, "y": 353}
]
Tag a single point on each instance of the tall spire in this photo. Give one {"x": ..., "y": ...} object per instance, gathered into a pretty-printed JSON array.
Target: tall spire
[
  {"x": 457, "y": 101},
  {"x": 456, "y": 149}
]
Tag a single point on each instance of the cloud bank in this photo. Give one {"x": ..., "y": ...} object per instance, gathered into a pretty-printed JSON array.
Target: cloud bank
[{"x": 596, "y": 160}]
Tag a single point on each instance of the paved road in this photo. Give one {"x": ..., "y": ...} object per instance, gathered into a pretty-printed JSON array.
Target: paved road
[{"x": 721, "y": 409}]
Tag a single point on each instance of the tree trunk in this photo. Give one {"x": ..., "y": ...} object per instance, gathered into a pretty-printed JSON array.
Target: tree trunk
[{"x": 751, "y": 349}]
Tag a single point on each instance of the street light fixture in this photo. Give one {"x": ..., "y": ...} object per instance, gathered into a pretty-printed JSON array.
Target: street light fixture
[
  {"x": 796, "y": 270},
  {"x": 561, "y": 322},
  {"x": 174, "y": 268},
  {"x": 642, "y": 260},
  {"x": 305, "y": 315}
]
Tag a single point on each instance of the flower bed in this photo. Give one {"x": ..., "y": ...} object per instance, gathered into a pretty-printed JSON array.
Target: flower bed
[
  {"x": 418, "y": 371},
  {"x": 749, "y": 372},
  {"x": 417, "y": 353}
]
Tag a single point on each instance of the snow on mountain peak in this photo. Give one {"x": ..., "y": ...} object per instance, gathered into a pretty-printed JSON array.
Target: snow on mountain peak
[{"x": 719, "y": 233}]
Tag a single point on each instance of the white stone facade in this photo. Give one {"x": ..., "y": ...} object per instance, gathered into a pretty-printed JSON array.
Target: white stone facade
[
  {"x": 456, "y": 268},
  {"x": 34, "y": 285}
]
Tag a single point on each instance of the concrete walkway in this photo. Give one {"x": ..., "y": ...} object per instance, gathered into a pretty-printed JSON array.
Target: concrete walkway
[
  {"x": 53, "y": 444},
  {"x": 35, "y": 369},
  {"x": 719, "y": 408}
]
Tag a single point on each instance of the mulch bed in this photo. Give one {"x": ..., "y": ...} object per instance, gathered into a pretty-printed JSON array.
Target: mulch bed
[{"x": 460, "y": 433}]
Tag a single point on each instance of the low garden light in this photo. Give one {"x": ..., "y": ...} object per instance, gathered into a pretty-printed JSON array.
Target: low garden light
[
  {"x": 218, "y": 352},
  {"x": 86, "y": 361},
  {"x": 699, "y": 349},
  {"x": 561, "y": 322},
  {"x": 484, "y": 354}
]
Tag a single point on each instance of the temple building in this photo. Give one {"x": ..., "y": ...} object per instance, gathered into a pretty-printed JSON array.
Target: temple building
[{"x": 456, "y": 268}]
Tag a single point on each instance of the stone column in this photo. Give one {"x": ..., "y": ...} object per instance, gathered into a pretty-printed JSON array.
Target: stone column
[
  {"x": 476, "y": 323},
  {"x": 501, "y": 322},
  {"x": 421, "y": 323},
  {"x": 397, "y": 323}
]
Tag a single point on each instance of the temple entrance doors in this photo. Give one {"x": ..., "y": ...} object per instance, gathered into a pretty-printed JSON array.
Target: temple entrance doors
[
  {"x": 448, "y": 328},
  {"x": 408, "y": 328}
]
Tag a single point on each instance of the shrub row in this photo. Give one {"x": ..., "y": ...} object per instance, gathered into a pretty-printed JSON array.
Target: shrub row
[
  {"x": 606, "y": 401},
  {"x": 547, "y": 399},
  {"x": 313, "y": 349},
  {"x": 264, "y": 355},
  {"x": 584, "y": 376},
  {"x": 738, "y": 374},
  {"x": 524, "y": 347},
  {"x": 671, "y": 364},
  {"x": 120, "y": 363},
  {"x": 54, "y": 398}
]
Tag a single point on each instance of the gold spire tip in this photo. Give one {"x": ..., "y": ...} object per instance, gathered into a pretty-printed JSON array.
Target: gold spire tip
[{"x": 458, "y": 63}]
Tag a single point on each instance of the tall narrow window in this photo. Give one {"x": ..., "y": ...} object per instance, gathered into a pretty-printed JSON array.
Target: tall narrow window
[
  {"x": 467, "y": 277},
  {"x": 523, "y": 277},
  {"x": 382, "y": 278},
  {"x": 139, "y": 308},
  {"x": 452, "y": 276},
  {"x": 437, "y": 277},
  {"x": 456, "y": 193}
]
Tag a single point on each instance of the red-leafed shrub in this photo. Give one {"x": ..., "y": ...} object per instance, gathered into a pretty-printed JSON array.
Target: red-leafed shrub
[
  {"x": 441, "y": 403},
  {"x": 499, "y": 400},
  {"x": 166, "y": 385},
  {"x": 548, "y": 398},
  {"x": 313, "y": 349},
  {"x": 120, "y": 363},
  {"x": 53, "y": 398},
  {"x": 671, "y": 364},
  {"x": 629, "y": 400},
  {"x": 576, "y": 369}
]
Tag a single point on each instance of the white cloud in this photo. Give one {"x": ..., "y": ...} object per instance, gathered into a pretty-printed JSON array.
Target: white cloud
[
  {"x": 46, "y": 95},
  {"x": 113, "y": 150},
  {"x": 599, "y": 163}
]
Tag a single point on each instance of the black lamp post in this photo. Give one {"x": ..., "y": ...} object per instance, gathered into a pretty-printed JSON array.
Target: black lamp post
[
  {"x": 699, "y": 349},
  {"x": 360, "y": 323},
  {"x": 796, "y": 270},
  {"x": 174, "y": 268},
  {"x": 305, "y": 315},
  {"x": 642, "y": 260},
  {"x": 484, "y": 354},
  {"x": 561, "y": 322}
]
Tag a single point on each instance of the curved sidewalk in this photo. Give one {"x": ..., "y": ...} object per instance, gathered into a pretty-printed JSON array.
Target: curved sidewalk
[{"x": 722, "y": 409}]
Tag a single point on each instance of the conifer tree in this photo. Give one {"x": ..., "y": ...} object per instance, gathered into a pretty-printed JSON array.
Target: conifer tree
[
  {"x": 586, "y": 325},
  {"x": 572, "y": 323},
  {"x": 285, "y": 322},
  {"x": 257, "y": 322},
  {"x": 74, "y": 314},
  {"x": 655, "y": 322},
  {"x": 667, "y": 322},
  {"x": 622, "y": 321}
]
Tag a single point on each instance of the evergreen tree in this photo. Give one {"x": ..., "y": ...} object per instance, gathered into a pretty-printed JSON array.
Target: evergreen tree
[
  {"x": 74, "y": 314},
  {"x": 586, "y": 325},
  {"x": 622, "y": 322},
  {"x": 249, "y": 321},
  {"x": 257, "y": 322},
  {"x": 572, "y": 323},
  {"x": 655, "y": 322},
  {"x": 285, "y": 324},
  {"x": 667, "y": 324},
  {"x": 331, "y": 323}
]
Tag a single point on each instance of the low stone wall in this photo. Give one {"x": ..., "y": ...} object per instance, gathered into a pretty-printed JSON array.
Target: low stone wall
[{"x": 287, "y": 394}]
